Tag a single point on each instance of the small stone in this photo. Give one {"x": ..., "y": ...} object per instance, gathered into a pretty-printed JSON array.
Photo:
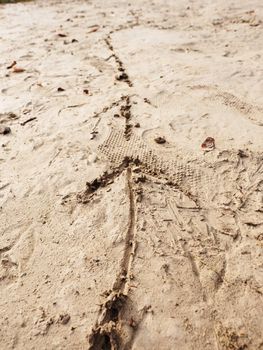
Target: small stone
[
  {"x": 160, "y": 140},
  {"x": 64, "y": 319},
  {"x": 5, "y": 130},
  {"x": 137, "y": 125}
]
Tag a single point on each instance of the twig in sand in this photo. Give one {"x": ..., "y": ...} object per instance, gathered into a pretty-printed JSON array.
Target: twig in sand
[{"x": 28, "y": 121}]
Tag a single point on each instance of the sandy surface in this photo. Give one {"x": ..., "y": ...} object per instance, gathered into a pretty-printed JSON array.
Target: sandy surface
[{"x": 109, "y": 239}]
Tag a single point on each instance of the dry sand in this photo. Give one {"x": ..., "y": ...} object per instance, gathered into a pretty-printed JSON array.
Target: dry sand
[{"x": 109, "y": 239}]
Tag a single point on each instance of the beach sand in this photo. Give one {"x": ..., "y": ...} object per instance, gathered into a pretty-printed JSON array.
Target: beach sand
[{"x": 131, "y": 175}]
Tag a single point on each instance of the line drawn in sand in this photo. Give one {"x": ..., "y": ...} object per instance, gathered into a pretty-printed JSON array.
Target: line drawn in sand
[
  {"x": 110, "y": 331},
  {"x": 128, "y": 155}
]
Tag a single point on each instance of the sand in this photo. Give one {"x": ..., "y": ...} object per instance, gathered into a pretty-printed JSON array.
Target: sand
[{"x": 118, "y": 229}]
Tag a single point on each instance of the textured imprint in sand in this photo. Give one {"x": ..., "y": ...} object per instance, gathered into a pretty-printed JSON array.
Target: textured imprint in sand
[
  {"x": 254, "y": 113},
  {"x": 116, "y": 148},
  {"x": 250, "y": 111}
]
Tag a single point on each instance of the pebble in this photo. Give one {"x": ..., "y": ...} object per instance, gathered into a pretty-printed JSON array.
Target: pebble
[
  {"x": 5, "y": 130},
  {"x": 160, "y": 140}
]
